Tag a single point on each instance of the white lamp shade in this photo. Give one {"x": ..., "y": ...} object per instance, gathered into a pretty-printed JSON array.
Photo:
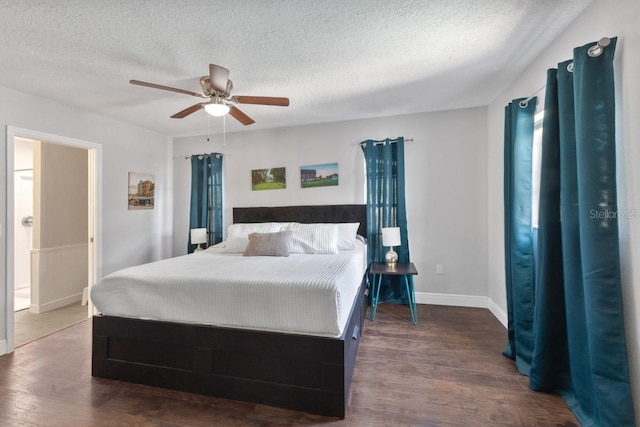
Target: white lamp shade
[
  {"x": 391, "y": 236},
  {"x": 198, "y": 235},
  {"x": 216, "y": 109}
]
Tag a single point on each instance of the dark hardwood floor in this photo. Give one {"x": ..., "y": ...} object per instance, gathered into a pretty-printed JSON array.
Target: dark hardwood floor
[{"x": 445, "y": 371}]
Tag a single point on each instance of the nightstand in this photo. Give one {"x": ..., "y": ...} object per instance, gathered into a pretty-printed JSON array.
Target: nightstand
[{"x": 400, "y": 269}]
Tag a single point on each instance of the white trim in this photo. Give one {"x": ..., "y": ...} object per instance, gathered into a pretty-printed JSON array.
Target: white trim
[
  {"x": 96, "y": 148},
  {"x": 453, "y": 300},
  {"x": 3, "y": 347},
  {"x": 62, "y": 302},
  {"x": 9, "y": 278},
  {"x": 60, "y": 248},
  {"x": 498, "y": 313},
  {"x": 95, "y": 265},
  {"x": 473, "y": 301}
]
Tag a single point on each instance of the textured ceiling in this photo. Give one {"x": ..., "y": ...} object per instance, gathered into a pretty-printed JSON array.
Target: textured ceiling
[{"x": 335, "y": 59}]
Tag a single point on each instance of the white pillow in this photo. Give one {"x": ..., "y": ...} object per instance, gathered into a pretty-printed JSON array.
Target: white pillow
[
  {"x": 314, "y": 239},
  {"x": 242, "y": 230},
  {"x": 236, "y": 245},
  {"x": 347, "y": 233}
]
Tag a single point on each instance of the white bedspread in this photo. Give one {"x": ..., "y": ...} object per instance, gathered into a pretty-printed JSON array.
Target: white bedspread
[{"x": 306, "y": 294}]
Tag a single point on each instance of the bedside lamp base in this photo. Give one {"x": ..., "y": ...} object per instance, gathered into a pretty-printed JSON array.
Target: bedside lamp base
[{"x": 391, "y": 257}]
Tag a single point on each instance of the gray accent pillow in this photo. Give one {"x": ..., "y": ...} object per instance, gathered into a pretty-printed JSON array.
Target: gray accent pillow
[{"x": 269, "y": 244}]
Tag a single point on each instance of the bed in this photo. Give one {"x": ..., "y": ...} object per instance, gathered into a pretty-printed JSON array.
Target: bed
[{"x": 307, "y": 369}]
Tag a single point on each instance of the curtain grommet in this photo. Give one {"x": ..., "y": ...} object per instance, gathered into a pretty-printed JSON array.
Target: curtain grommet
[
  {"x": 598, "y": 48},
  {"x": 595, "y": 50},
  {"x": 570, "y": 67},
  {"x": 523, "y": 104}
]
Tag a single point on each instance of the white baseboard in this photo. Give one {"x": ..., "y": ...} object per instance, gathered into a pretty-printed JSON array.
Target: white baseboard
[
  {"x": 55, "y": 304},
  {"x": 453, "y": 300},
  {"x": 498, "y": 313},
  {"x": 463, "y": 301},
  {"x": 3, "y": 347}
]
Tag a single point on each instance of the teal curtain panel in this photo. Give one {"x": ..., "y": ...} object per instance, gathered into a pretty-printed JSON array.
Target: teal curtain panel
[
  {"x": 519, "y": 264},
  {"x": 386, "y": 207},
  {"x": 549, "y": 364},
  {"x": 206, "y": 197},
  {"x": 579, "y": 346}
]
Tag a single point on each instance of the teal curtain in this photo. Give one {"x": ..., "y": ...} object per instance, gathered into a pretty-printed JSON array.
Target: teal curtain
[
  {"x": 386, "y": 207},
  {"x": 206, "y": 197},
  {"x": 579, "y": 346},
  {"x": 518, "y": 235},
  {"x": 549, "y": 362}
]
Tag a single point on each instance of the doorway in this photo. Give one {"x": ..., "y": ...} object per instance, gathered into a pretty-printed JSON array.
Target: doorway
[
  {"x": 41, "y": 242},
  {"x": 22, "y": 221}
]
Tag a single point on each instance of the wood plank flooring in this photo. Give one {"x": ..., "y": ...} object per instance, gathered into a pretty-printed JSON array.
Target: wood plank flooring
[
  {"x": 30, "y": 326},
  {"x": 445, "y": 371}
]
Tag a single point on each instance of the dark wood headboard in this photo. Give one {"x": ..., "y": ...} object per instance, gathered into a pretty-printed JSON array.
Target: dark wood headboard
[{"x": 305, "y": 214}]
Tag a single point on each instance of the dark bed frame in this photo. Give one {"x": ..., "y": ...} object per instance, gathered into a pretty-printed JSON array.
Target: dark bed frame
[{"x": 300, "y": 372}]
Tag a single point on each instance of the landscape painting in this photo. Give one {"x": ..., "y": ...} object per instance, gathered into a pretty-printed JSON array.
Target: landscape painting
[
  {"x": 268, "y": 179},
  {"x": 319, "y": 175}
]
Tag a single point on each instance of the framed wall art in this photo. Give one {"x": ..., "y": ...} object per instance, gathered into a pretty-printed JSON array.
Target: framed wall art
[
  {"x": 141, "y": 190},
  {"x": 323, "y": 175},
  {"x": 268, "y": 179}
]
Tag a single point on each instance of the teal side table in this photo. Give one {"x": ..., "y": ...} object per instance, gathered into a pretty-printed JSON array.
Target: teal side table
[{"x": 400, "y": 269}]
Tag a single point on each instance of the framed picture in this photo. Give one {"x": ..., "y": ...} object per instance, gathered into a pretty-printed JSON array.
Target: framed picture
[
  {"x": 141, "y": 190},
  {"x": 268, "y": 179},
  {"x": 319, "y": 175}
]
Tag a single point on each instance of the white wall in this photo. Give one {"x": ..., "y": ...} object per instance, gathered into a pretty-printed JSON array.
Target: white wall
[
  {"x": 602, "y": 18},
  {"x": 129, "y": 237},
  {"x": 445, "y": 174}
]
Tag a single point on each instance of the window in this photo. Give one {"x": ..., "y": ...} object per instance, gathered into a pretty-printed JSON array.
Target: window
[{"x": 536, "y": 162}]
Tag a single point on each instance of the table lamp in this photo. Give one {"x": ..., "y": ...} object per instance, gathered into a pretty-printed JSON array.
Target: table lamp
[
  {"x": 391, "y": 238},
  {"x": 198, "y": 236}
]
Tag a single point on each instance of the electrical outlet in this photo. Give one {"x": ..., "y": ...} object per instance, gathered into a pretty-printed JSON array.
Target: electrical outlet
[{"x": 439, "y": 269}]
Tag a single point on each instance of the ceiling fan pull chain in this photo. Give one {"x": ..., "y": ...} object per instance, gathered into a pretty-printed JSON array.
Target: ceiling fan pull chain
[{"x": 224, "y": 130}]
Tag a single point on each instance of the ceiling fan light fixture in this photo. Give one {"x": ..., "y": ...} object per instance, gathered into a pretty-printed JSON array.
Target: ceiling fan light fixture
[{"x": 216, "y": 109}]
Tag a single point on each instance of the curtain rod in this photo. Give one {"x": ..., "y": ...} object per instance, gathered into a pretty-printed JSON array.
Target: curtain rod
[
  {"x": 218, "y": 155},
  {"x": 525, "y": 102},
  {"x": 594, "y": 51},
  {"x": 391, "y": 141}
]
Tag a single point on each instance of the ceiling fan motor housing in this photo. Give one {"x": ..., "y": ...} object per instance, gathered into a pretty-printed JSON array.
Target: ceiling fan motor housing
[{"x": 205, "y": 83}]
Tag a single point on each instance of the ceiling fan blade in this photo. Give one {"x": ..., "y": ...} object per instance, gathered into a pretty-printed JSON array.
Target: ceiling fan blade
[
  {"x": 184, "y": 113},
  {"x": 219, "y": 77},
  {"x": 262, "y": 100},
  {"x": 172, "y": 89},
  {"x": 240, "y": 116}
]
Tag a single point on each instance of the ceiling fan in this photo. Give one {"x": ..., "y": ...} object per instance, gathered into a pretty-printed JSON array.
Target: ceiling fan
[{"x": 216, "y": 88}]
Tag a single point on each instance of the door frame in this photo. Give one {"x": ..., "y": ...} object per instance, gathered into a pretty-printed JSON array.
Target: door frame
[{"x": 94, "y": 211}]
